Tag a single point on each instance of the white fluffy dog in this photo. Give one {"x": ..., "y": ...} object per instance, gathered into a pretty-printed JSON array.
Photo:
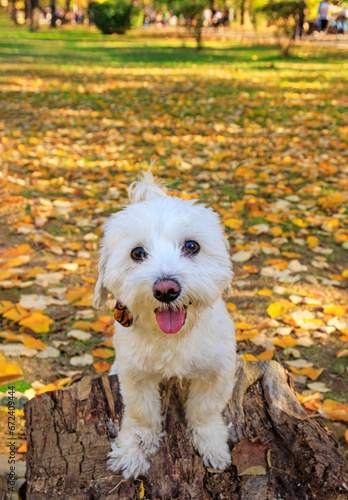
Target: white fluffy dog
[{"x": 167, "y": 260}]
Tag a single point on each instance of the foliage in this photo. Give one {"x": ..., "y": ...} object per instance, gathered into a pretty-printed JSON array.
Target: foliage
[
  {"x": 193, "y": 12},
  {"x": 284, "y": 16},
  {"x": 115, "y": 16}
]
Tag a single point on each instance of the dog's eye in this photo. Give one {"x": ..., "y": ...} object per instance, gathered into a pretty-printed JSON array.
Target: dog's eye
[
  {"x": 138, "y": 254},
  {"x": 191, "y": 247}
]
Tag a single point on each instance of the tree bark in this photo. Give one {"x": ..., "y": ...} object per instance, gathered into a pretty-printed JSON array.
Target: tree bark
[
  {"x": 53, "y": 14},
  {"x": 68, "y": 434}
]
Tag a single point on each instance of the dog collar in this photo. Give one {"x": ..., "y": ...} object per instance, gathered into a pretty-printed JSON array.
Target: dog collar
[{"x": 121, "y": 314}]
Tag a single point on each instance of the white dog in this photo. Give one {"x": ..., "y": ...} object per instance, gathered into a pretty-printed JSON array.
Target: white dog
[{"x": 167, "y": 260}]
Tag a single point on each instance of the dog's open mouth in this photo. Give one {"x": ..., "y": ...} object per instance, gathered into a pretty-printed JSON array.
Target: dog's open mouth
[{"x": 170, "y": 320}]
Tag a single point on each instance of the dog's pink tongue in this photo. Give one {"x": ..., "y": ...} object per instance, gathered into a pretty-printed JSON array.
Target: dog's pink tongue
[{"x": 170, "y": 321}]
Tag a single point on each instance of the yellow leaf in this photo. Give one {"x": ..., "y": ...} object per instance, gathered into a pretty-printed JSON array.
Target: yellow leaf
[
  {"x": 341, "y": 237},
  {"x": 84, "y": 302},
  {"x": 249, "y": 357},
  {"x": 103, "y": 353},
  {"x": 266, "y": 355},
  {"x": 233, "y": 223},
  {"x": 231, "y": 307},
  {"x": 335, "y": 310},
  {"x": 299, "y": 223},
  {"x": 244, "y": 326},
  {"x": 247, "y": 335},
  {"x": 78, "y": 293},
  {"x": 332, "y": 200},
  {"x": 141, "y": 492},
  {"x": 276, "y": 309},
  {"x": 9, "y": 372},
  {"x": 334, "y": 411},
  {"x": 101, "y": 366},
  {"x": 265, "y": 292},
  {"x": 312, "y": 241},
  {"x": 344, "y": 274},
  {"x": 251, "y": 269},
  {"x": 308, "y": 372},
  {"x": 285, "y": 341},
  {"x": 32, "y": 343},
  {"x": 346, "y": 436},
  {"x": 276, "y": 231},
  {"x": 23, "y": 249},
  {"x": 16, "y": 313},
  {"x": 292, "y": 255},
  {"x": 38, "y": 322},
  {"x": 5, "y": 305},
  {"x": 82, "y": 325}
]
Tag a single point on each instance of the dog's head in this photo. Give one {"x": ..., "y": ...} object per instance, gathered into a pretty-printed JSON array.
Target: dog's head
[{"x": 167, "y": 259}]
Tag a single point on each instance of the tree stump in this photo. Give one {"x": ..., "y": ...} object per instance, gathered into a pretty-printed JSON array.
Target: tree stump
[{"x": 293, "y": 457}]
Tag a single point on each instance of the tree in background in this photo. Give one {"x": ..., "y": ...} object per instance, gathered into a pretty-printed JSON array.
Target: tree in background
[
  {"x": 34, "y": 13},
  {"x": 192, "y": 10},
  {"x": 116, "y": 16},
  {"x": 284, "y": 16}
]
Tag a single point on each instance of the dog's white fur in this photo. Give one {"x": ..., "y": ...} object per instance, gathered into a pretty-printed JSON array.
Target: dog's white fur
[{"x": 203, "y": 351}]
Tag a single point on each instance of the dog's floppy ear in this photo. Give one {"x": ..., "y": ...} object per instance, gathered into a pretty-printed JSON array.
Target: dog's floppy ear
[{"x": 100, "y": 292}]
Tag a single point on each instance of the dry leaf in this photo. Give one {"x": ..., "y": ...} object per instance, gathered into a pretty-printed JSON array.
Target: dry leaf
[
  {"x": 334, "y": 411},
  {"x": 101, "y": 366},
  {"x": 250, "y": 457},
  {"x": 103, "y": 353},
  {"x": 9, "y": 372},
  {"x": 37, "y": 322}
]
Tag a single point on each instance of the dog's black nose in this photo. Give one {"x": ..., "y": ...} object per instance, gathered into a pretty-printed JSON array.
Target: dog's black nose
[{"x": 166, "y": 290}]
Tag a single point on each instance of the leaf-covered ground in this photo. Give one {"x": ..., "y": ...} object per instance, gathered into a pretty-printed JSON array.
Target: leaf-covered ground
[{"x": 261, "y": 139}]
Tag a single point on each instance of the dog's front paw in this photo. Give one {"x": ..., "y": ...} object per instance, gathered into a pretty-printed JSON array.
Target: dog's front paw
[
  {"x": 211, "y": 443},
  {"x": 132, "y": 452}
]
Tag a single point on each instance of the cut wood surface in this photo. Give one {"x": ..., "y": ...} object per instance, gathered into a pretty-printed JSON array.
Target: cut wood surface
[{"x": 278, "y": 452}]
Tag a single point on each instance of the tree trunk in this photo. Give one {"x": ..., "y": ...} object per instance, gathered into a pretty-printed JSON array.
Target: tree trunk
[
  {"x": 67, "y": 16},
  {"x": 242, "y": 12},
  {"x": 34, "y": 15},
  {"x": 53, "y": 13},
  {"x": 294, "y": 457},
  {"x": 13, "y": 11}
]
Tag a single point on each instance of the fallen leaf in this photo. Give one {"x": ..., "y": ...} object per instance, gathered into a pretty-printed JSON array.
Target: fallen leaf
[
  {"x": 335, "y": 310},
  {"x": 9, "y": 372},
  {"x": 285, "y": 341},
  {"x": 250, "y": 457},
  {"x": 308, "y": 372},
  {"x": 241, "y": 256},
  {"x": 101, "y": 366},
  {"x": 22, "y": 449},
  {"x": 334, "y": 411},
  {"x": 103, "y": 353},
  {"x": 37, "y": 322}
]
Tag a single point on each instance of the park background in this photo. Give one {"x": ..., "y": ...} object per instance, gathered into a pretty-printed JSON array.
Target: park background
[{"x": 259, "y": 137}]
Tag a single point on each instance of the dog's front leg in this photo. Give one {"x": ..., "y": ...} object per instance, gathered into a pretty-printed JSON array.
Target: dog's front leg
[
  {"x": 206, "y": 400},
  {"x": 140, "y": 433}
]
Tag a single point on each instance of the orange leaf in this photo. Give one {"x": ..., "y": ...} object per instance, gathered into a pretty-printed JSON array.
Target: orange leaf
[
  {"x": 108, "y": 343},
  {"x": 103, "y": 353},
  {"x": 276, "y": 309},
  {"x": 23, "y": 249},
  {"x": 101, "y": 366},
  {"x": 32, "y": 343},
  {"x": 346, "y": 436},
  {"x": 46, "y": 388},
  {"x": 38, "y": 322},
  {"x": 266, "y": 355},
  {"x": 22, "y": 449}
]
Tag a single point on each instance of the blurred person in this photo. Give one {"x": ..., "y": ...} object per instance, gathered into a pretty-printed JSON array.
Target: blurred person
[{"x": 324, "y": 14}]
